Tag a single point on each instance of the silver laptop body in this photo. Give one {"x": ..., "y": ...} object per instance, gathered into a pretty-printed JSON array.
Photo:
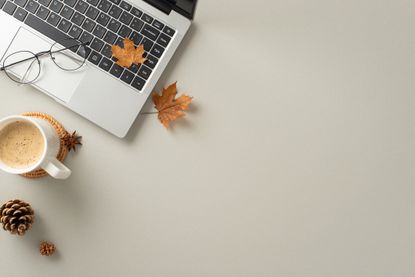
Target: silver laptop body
[{"x": 92, "y": 92}]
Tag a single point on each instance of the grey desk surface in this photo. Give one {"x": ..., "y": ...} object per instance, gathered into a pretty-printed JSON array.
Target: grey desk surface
[{"x": 297, "y": 158}]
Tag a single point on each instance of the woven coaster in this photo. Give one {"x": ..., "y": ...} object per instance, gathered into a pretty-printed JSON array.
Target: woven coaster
[{"x": 60, "y": 130}]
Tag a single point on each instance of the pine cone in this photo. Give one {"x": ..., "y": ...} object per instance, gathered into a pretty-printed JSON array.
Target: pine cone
[
  {"x": 47, "y": 248},
  {"x": 16, "y": 216}
]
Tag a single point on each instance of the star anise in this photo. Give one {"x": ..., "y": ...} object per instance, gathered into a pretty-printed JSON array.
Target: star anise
[{"x": 72, "y": 140}]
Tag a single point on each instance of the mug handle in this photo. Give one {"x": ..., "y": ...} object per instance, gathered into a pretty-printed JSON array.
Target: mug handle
[{"x": 56, "y": 169}]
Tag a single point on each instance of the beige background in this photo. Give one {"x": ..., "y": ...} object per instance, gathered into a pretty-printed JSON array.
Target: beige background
[{"x": 297, "y": 158}]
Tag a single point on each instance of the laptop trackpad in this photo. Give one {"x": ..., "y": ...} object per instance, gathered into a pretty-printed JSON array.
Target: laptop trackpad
[{"x": 52, "y": 80}]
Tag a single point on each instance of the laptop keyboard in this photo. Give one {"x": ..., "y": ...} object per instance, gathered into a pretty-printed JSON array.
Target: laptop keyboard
[{"x": 102, "y": 23}]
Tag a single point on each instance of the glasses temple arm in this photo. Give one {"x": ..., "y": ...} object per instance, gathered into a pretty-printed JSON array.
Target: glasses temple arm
[
  {"x": 66, "y": 48},
  {"x": 7, "y": 66},
  {"x": 41, "y": 54}
]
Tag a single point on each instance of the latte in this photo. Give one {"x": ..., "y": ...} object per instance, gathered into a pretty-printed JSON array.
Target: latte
[{"x": 21, "y": 145}]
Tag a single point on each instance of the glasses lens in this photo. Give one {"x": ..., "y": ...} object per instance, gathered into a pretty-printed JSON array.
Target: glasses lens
[
  {"x": 22, "y": 67},
  {"x": 64, "y": 54}
]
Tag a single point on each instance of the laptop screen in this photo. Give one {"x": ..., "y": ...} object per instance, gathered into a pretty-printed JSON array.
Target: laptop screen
[{"x": 186, "y": 7}]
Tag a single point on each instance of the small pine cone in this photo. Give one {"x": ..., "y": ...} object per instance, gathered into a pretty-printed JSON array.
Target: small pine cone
[
  {"x": 16, "y": 216},
  {"x": 47, "y": 248}
]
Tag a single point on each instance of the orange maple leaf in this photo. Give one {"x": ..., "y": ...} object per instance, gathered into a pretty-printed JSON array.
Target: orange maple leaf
[
  {"x": 169, "y": 108},
  {"x": 128, "y": 55}
]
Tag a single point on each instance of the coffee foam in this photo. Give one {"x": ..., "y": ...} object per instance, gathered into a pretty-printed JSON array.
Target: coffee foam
[{"x": 21, "y": 144}]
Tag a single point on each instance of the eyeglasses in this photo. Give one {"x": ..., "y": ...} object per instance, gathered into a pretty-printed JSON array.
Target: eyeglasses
[{"x": 24, "y": 67}]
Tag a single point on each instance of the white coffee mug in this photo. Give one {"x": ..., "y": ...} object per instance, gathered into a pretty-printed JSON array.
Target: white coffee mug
[{"x": 48, "y": 160}]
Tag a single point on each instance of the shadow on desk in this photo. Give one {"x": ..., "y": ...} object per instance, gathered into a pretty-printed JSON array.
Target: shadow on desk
[
  {"x": 36, "y": 235},
  {"x": 181, "y": 50}
]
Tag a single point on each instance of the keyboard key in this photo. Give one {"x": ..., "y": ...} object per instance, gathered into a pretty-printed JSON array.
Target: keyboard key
[
  {"x": 53, "y": 19},
  {"x": 20, "y": 3},
  {"x": 107, "y": 51},
  {"x": 56, "y": 6},
  {"x": 99, "y": 31},
  {"x": 110, "y": 37},
  {"x": 126, "y": 18},
  {"x": 115, "y": 12},
  {"x": 67, "y": 12},
  {"x": 20, "y": 14},
  {"x": 144, "y": 72},
  {"x": 75, "y": 32},
  {"x": 147, "y": 18},
  {"x": 9, "y": 8},
  {"x": 86, "y": 37},
  {"x": 125, "y": 6},
  {"x": 114, "y": 25},
  {"x": 78, "y": 19},
  {"x": 92, "y": 12},
  {"x": 2, "y": 3},
  {"x": 42, "y": 12},
  {"x": 104, "y": 6},
  {"x": 116, "y": 2},
  {"x": 116, "y": 70},
  {"x": 70, "y": 3},
  {"x": 164, "y": 40},
  {"x": 119, "y": 42},
  {"x": 134, "y": 68},
  {"x": 103, "y": 19},
  {"x": 151, "y": 61},
  {"x": 64, "y": 25},
  {"x": 137, "y": 24},
  {"x": 127, "y": 76},
  {"x": 136, "y": 37},
  {"x": 169, "y": 31},
  {"x": 136, "y": 12},
  {"x": 88, "y": 25},
  {"x": 81, "y": 6},
  {"x": 124, "y": 31},
  {"x": 150, "y": 32},
  {"x": 105, "y": 64},
  {"x": 157, "y": 50},
  {"x": 138, "y": 83},
  {"x": 32, "y": 6},
  {"x": 97, "y": 45},
  {"x": 148, "y": 44},
  {"x": 93, "y": 2},
  {"x": 95, "y": 58},
  {"x": 45, "y": 2},
  {"x": 158, "y": 25}
]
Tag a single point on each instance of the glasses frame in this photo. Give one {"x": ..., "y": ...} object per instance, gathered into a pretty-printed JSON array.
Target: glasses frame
[{"x": 36, "y": 57}]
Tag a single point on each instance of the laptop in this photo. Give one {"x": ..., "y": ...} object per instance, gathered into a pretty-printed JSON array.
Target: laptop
[{"x": 104, "y": 93}]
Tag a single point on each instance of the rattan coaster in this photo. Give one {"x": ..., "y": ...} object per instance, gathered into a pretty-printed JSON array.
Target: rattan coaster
[{"x": 60, "y": 130}]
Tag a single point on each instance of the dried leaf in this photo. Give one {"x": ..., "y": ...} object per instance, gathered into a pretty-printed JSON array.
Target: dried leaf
[
  {"x": 170, "y": 108},
  {"x": 128, "y": 55}
]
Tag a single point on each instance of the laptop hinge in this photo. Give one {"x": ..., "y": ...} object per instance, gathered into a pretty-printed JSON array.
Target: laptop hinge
[{"x": 164, "y": 5}]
